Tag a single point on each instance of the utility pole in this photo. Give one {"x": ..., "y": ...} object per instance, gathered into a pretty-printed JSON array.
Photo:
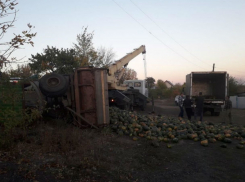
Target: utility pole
[{"x": 213, "y": 67}]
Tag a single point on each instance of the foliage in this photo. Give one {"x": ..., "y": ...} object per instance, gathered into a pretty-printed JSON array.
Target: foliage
[
  {"x": 161, "y": 90},
  {"x": 84, "y": 48},
  {"x": 232, "y": 85},
  {"x": 178, "y": 89},
  {"x": 105, "y": 57},
  {"x": 161, "y": 85},
  {"x": 22, "y": 71},
  {"x": 150, "y": 82},
  {"x": 86, "y": 53},
  {"x": 128, "y": 74},
  {"x": 8, "y": 15},
  {"x": 235, "y": 86},
  {"x": 54, "y": 60},
  {"x": 12, "y": 114},
  {"x": 65, "y": 61}
]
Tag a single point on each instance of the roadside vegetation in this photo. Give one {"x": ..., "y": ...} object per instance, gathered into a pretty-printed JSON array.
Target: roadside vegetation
[{"x": 159, "y": 90}]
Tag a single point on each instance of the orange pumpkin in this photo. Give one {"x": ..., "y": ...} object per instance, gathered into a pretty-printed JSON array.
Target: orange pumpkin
[{"x": 204, "y": 142}]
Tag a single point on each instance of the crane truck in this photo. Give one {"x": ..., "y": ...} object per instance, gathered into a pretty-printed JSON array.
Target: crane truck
[{"x": 121, "y": 94}]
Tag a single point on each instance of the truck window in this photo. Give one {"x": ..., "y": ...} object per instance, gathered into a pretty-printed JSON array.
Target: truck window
[
  {"x": 137, "y": 84},
  {"x": 129, "y": 84}
]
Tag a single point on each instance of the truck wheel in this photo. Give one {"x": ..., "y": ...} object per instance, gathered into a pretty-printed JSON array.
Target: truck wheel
[{"x": 53, "y": 85}]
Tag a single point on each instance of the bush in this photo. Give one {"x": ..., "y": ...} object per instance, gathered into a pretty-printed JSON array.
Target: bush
[{"x": 13, "y": 115}]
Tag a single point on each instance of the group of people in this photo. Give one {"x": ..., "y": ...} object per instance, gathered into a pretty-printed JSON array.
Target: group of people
[{"x": 189, "y": 104}]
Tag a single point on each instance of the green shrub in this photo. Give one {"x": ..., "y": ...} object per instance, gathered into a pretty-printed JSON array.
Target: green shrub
[{"x": 12, "y": 113}]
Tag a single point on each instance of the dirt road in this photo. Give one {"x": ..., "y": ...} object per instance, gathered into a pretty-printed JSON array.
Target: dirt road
[{"x": 168, "y": 107}]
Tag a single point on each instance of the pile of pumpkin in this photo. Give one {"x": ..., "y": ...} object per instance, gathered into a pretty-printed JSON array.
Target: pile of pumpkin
[{"x": 171, "y": 130}]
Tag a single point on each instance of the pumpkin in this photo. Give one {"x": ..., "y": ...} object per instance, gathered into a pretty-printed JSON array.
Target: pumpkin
[
  {"x": 212, "y": 140},
  {"x": 171, "y": 129},
  {"x": 227, "y": 135},
  {"x": 135, "y": 138},
  {"x": 204, "y": 142},
  {"x": 141, "y": 135},
  {"x": 192, "y": 136}
]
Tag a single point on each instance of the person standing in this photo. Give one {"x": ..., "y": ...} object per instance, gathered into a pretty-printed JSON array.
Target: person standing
[
  {"x": 187, "y": 104},
  {"x": 199, "y": 106},
  {"x": 228, "y": 107},
  {"x": 180, "y": 103}
]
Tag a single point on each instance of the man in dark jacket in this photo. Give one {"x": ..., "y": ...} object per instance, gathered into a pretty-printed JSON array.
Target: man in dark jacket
[
  {"x": 228, "y": 107},
  {"x": 180, "y": 103},
  {"x": 199, "y": 106},
  {"x": 188, "y": 109}
]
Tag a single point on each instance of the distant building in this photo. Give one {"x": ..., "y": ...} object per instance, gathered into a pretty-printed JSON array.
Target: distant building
[{"x": 168, "y": 84}]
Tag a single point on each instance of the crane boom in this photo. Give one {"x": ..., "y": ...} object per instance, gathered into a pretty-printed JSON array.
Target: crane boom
[{"x": 113, "y": 81}]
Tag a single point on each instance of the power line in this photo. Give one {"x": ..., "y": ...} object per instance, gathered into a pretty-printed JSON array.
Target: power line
[
  {"x": 154, "y": 35},
  {"x": 231, "y": 70},
  {"x": 167, "y": 33}
]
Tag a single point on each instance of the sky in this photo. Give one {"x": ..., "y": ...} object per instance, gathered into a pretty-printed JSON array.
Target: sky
[{"x": 181, "y": 36}]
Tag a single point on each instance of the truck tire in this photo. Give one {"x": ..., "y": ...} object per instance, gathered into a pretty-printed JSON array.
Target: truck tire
[{"x": 53, "y": 85}]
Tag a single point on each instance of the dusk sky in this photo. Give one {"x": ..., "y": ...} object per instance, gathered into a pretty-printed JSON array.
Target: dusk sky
[{"x": 180, "y": 36}]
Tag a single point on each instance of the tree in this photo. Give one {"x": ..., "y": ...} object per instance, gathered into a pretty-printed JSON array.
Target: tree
[
  {"x": 235, "y": 86},
  {"x": 105, "y": 57},
  {"x": 160, "y": 89},
  {"x": 22, "y": 71},
  {"x": 128, "y": 74},
  {"x": 150, "y": 82},
  {"x": 84, "y": 48},
  {"x": 88, "y": 56},
  {"x": 161, "y": 84},
  {"x": 177, "y": 89},
  {"x": 8, "y": 17},
  {"x": 61, "y": 61}
]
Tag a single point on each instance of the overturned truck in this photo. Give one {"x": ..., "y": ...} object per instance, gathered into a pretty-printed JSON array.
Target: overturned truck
[{"x": 84, "y": 94}]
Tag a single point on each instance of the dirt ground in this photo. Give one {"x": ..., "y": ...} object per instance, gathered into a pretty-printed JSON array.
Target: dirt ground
[
  {"x": 168, "y": 108},
  {"x": 56, "y": 151}
]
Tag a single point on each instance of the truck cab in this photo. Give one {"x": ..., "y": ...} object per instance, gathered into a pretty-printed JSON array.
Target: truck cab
[{"x": 137, "y": 84}]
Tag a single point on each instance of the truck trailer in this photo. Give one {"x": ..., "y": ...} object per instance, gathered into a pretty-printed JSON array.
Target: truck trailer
[{"x": 214, "y": 88}]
